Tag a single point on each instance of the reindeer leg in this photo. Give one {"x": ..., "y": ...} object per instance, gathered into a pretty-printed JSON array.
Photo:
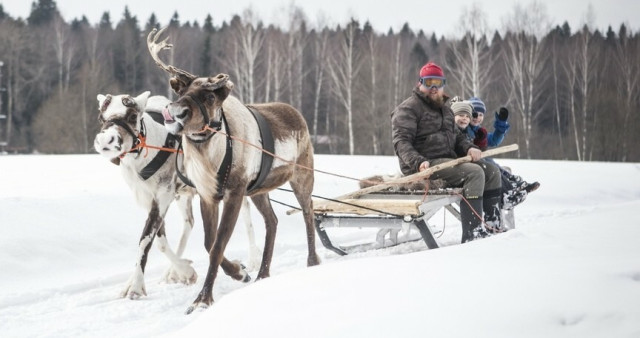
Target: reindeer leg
[
  {"x": 254, "y": 250},
  {"x": 135, "y": 287},
  {"x": 271, "y": 223},
  {"x": 227, "y": 224},
  {"x": 302, "y": 186},
  {"x": 180, "y": 270},
  {"x": 209, "y": 213},
  {"x": 185, "y": 205}
]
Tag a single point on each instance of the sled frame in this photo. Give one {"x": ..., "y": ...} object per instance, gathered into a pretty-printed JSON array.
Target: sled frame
[{"x": 416, "y": 212}]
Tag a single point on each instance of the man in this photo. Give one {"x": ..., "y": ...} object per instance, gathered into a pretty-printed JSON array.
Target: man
[{"x": 425, "y": 134}]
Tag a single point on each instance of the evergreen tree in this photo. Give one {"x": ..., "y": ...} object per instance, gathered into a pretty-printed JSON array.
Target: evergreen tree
[
  {"x": 42, "y": 12},
  {"x": 566, "y": 30},
  {"x": 152, "y": 23},
  {"x": 208, "y": 24},
  {"x": 105, "y": 21},
  {"x": 175, "y": 20}
]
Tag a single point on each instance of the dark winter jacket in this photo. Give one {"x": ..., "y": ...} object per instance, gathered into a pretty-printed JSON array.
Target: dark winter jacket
[{"x": 422, "y": 131}]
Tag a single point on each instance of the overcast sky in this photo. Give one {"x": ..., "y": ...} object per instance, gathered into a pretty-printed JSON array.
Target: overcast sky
[{"x": 440, "y": 17}]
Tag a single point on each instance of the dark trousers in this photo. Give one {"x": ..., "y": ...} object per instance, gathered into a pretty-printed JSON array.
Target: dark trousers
[{"x": 475, "y": 178}]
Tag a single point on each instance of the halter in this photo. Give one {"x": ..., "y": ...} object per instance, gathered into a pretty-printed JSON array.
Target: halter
[
  {"x": 135, "y": 137},
  {"x": 215, "y": 125}
]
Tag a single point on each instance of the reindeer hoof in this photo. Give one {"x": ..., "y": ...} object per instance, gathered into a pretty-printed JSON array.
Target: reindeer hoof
[
  {"x": 134, "y": 296},
  {"x": 190, "y": 309},
  {"x": 197, "y": 304},
  {"x": 181, "y": 273},
  {"x": 133, "y": 291}
]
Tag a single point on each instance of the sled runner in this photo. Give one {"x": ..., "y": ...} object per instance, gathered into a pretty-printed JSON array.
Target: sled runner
[{"x": 391, "y": 207}]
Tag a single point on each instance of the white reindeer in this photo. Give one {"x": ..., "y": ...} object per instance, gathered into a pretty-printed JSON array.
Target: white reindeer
[{"x": 133, "y": 137}]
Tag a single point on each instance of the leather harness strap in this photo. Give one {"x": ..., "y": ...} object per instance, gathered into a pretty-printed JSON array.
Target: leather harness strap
[
  {"x": 158, "y": 161},
  {"x": 225, "y": 166},
  {"x": 268, "y": 145}
]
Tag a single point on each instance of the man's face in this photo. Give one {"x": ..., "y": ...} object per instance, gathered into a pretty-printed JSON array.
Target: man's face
[{"x": 434, "y": 93}]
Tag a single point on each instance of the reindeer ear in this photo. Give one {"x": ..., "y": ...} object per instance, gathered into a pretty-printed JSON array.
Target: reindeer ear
[
  {"x": 129, "y": 102},
  {"x": 141, "y": 100},
  {"x": 220, "y": 86},
  {"x": 179, "y": 85},
  {"x": 103, "y": 101}
]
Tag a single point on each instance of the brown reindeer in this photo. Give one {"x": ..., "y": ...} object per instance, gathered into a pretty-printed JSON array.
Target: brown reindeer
[{"x": 222, "y": 157}]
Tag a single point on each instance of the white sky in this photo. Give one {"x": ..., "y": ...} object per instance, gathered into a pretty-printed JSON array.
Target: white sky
[{"x": 440, "y": 17}]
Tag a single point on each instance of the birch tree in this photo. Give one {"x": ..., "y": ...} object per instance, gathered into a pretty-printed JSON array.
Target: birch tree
[
  {"x": 626, "y": 59},
  {"x": 247, "y": 41},
  {"x": 473, "y": 61},
  {"x": 295, "y": 49},
  {"x": 525, "y": 58},
  {"x": 344, "y": 65},
  {"x": 320, "y": 44}
]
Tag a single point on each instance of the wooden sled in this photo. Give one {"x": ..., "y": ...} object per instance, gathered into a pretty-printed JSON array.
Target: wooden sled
[
  {"x": 389, "y": 211},
  {"x": 392, "y": 207}
]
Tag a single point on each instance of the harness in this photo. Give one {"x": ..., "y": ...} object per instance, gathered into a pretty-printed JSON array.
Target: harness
[
  {"x": 268, "y": 145},
  {"x": 161, "y": 156},
  {"x": 225, "y": 166}
]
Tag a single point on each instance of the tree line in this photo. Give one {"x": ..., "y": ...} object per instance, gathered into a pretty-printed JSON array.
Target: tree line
[{"x": 571, "y": 94}]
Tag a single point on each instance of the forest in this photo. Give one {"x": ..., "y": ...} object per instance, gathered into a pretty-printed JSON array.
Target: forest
[{"x": 573, "y": 93}]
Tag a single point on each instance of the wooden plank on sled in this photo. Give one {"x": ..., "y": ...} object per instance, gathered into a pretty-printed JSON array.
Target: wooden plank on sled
[
  {"x": 416, "y": 176},
  {"x": 365, "y": 206}
]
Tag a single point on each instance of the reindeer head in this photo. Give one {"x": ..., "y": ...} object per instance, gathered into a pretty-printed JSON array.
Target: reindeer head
[
  {"x": 200, "y": 98},
  {"x": 120, "y": 117}
]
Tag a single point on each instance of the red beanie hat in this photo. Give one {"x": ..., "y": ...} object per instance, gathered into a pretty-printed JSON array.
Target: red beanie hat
[{"x": 431, "y": 69}]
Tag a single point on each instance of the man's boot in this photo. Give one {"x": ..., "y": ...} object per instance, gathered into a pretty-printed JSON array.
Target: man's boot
[
  {"x": 491, "y": 207},
  {"x": 471, "y": 218}
]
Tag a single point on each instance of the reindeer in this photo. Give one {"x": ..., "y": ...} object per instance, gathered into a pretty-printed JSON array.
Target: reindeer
[
  {"x": 222, "y": 141},
  {"x": 129, "y": 126}
]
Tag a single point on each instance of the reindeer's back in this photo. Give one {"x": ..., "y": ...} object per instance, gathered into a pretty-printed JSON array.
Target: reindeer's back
[{"x": 283, "y": 118}]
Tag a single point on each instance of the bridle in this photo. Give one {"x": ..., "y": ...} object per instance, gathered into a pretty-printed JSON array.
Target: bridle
[
  {"x": 208, "y": 123},
  {"x": 120, "y": 122}
]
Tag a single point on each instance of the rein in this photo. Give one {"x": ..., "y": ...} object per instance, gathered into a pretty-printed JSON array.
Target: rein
[{"x": 140, "y": 143}]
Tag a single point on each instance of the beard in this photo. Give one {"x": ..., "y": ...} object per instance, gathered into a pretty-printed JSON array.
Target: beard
[{"x": 437, "y": 99}]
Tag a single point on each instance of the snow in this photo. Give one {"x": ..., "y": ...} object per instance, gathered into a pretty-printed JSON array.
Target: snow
[{"x": 69, "y": 229}]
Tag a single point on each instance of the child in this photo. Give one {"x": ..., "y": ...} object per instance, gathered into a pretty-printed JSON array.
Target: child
[{"x": 514, "y": 188}]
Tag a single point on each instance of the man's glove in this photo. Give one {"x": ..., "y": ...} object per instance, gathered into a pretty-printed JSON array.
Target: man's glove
[{"x": 503, "y": 115}]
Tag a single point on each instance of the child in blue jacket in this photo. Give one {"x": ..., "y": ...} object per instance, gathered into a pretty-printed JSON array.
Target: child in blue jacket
[{"x": 514, "y": 188}]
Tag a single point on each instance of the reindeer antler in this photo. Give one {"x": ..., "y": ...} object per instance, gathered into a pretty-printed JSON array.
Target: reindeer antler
[{"x": 155, "y": 47}]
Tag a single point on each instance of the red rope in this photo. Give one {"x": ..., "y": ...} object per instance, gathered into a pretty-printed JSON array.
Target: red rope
[{"x": 143, "y": 145}]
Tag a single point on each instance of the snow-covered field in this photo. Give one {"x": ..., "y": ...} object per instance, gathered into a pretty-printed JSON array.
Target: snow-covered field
[{"x": 69, "y": 230}]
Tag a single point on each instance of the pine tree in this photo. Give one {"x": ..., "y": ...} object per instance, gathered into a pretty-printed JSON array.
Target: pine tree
[{"x": 42, "y": 12}]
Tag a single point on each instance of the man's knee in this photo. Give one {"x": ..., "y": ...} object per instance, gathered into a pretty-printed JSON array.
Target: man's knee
[
  {"x": 474, "y": 181},
  {"x": 493, "y": 178}
]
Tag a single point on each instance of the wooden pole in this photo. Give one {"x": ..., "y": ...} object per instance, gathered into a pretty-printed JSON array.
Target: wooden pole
[{"x": 417, "y": 176}]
